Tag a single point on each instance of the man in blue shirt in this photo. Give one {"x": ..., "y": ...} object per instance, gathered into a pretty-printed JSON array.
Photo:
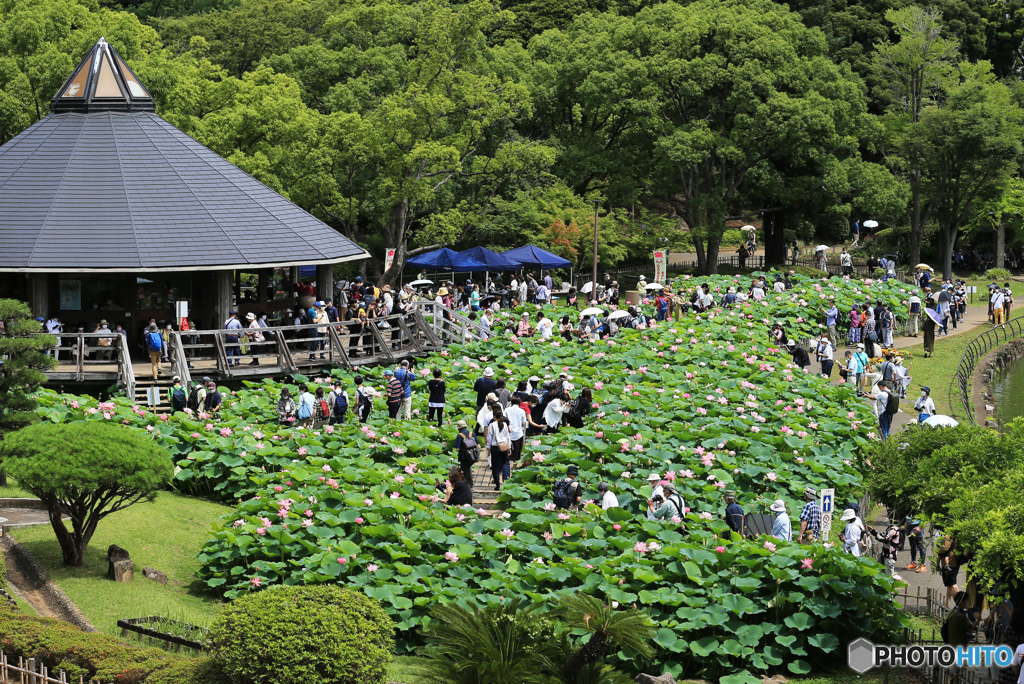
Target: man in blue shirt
[
  {"x": 405, "y": 376},
  {"x": 231, "y": 339},
  {"x": 782, "y": 528},
  {"x": 856, "y": 233}
]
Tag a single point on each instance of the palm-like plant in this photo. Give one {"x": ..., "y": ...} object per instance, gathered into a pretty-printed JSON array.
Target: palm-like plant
[
  {"x": 496, "y": 645},
  {"x": 629, "y": 630}
]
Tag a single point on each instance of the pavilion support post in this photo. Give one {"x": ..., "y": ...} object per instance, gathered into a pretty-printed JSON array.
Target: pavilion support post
[
  {"x": 223, "y": 294},
  {"x": 295, "y": 275},
  {"x": 39, "y": 294},
  {"x": 325, "y": 282}
]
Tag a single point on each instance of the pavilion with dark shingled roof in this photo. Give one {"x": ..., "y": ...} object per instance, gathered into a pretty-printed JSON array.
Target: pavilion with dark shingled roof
[{"x": 109, "y": 212}]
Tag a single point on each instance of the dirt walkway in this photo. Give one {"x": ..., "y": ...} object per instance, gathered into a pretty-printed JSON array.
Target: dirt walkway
[
  {"x": 975, "y": 320},
  {"x": 27, "y": 581}
]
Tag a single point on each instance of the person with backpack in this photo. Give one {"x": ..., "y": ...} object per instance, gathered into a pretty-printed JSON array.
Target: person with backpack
[
  {"x": 154, "y": 345},
  {"x": 196, "y": 396},
  {"x": 364, "y": 399},
  {"x": 890, "y": 543},
  {"x": 176, "y": 396},
  {"x": 887, "y": 405},
  {"x": 337, "y": 403},
  {"x": 323, "y": 408},
  {"x": 672, "y": 507},
  {"x": 286, "y": 407},
  {"x": 568, "y": 492},
  {"x": 499, "y": 444},
  {"x": 306, "y": 407},
  {"x": 467, "y": 450}
]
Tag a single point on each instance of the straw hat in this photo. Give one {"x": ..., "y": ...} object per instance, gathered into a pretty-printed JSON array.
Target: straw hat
[{"x": 442, "y": 292}]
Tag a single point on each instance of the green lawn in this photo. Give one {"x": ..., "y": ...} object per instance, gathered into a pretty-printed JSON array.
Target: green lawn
[{"x": 166, "y": 535}]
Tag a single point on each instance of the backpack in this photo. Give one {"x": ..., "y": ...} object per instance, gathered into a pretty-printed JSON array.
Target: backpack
[
  {"x": 893, "y": 405},
  {"x": 193, "y": 399},
  {"x": 154, "y": 342},
  {"x": 470, "y": 449},
  {"x": 340, "y": 405},
  {"x": 325, "y": 410},
  {"x": 178, "y": 400},
  {"x": 563, "y": 493},
  {"x": 864, "y": 543}
]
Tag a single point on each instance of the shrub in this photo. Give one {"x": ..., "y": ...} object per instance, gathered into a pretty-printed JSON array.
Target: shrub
[
  {"x": 1000, "y": 274},
  {"x": 188, "y": 671},
  {"x": 314, "y": 635},
  {"x": 61, "y": 646}
]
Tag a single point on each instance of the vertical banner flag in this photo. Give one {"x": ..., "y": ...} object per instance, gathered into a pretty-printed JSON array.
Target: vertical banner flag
[
  {"x": 660, "y": 265},
  {"x": 389, "y": 257}
]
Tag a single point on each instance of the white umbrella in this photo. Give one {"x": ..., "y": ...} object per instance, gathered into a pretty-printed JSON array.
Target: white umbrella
[
  {"x": 654, "y": 286},
  {"x": 592, "y": 311},
  {"x": 587, "y": 286},
  {"x": 940, "y": 421},
  {"x": 617, "y": 314},
  {"x": 871, "y": 224},
  {"x": 417, "y": 283},
  {"x": 748, "y": 228},
  {"x": 821, "y": 248}
]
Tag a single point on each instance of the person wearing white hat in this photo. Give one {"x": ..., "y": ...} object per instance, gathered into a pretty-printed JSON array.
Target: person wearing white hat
[
  {"x": 255, "y": 335},
  {"x": 484, "y": 386},
  {"x": 782, "y": 528},
  {"x": 851, "y": 535},
  {"x": 654, "y": 479}
]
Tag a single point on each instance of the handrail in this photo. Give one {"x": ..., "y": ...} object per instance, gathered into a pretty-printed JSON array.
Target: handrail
[
  {"x": 446, "y": 318},
  {"x": 976, "y": 350},
  {"x": 124, "y": 366},
  {"x": 179, "y": 362}
]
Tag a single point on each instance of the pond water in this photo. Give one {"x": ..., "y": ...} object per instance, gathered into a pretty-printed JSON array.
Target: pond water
[{"x": 1008, "y": 389}]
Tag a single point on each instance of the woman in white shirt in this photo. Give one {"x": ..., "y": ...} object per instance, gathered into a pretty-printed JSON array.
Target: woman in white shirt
[
  {"x": 553, "y": 414},
  {"x": 924, "y": 405},
  {"x": 851, "y": 535},
  {"x": 499, "y": 444}
]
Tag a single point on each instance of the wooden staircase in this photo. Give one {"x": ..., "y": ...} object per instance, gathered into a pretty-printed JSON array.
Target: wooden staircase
[{"x": 142, "y": 386}]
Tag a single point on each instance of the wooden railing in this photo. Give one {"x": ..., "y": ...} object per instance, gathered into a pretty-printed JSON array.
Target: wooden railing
[
  {"x": 80, "y": 346},
  {"x": 450, "y": 326},
  {"x": 290, "y": 348},
  {"x": 32, "y": 672}
]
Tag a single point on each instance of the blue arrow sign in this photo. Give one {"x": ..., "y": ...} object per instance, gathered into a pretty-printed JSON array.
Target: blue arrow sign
[{"x": 826, "y": 504}]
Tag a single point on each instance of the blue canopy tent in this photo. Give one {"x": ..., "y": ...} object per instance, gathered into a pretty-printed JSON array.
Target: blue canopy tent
[
  {"x": 535, "y": 257},
  {"x": 445, "y": 259},
  {"x": 493, "y": 260}
]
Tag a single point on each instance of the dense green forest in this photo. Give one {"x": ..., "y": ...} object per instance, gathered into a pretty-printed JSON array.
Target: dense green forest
[{"x": 420, "y": 123}]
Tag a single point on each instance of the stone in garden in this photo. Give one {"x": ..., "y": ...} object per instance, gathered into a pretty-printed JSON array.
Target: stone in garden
[
  {"x": 155, "y": 575},
  {"x": 124, "y": 571},
  {"x": 777, "y": 679},
  {"x": 666, "y": 678},
  {"x": 114, "y": 554}
]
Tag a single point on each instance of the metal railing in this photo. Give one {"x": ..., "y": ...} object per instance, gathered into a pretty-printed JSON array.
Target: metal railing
[
  {"x": 976, "y": 351},
  {"x": 450, "y": 326}
]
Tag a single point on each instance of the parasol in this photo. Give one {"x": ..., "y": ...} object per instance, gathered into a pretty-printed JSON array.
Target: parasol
[
  {"x": 617, "y": 314},
  {"x": 940, "y": 421},
  {"x": 419, "y": 283},
  {"x": 871, "y": 224},
  {"x": 587, "y": 286},
  {"x": 654, "y": 286},
  {"x": 592, "y": 311},
  {"x": 933, "y": 314},
  {"x": 821, "y": 248},
  {"x": 924, "y": 267},
  {"x": 748, "y": 228}
]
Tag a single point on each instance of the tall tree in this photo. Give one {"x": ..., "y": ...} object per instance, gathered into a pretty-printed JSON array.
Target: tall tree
[
  {"x": 968, "y": 149},
  {"x": 740, "y": 84},
  {"x": 25, "y": 364},
  {"x": 914, "y": 73}
]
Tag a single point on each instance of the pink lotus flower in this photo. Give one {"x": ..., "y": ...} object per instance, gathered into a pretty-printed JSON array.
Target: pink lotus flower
[
  {"x": 640, "y": 547},
  {"x": 395, "y": 495},
  {"x": 616, "y": 527},
  {"x": 372, "y": 567},
  {"x": 225, "y": 432},
  {"x": 256, "y": 581},
  {"x": 278, "y": 488},
  {"x": 806, "y": 564},
  {"x": 343, "y": 560},
  {"x": 359, "y": 521},
  {"x": 303, "y": 451},
  {"x": 770, "y": 546},
  {"x": 451, "y": 557},
  {"x": 719, "y": 549},
  {"x": 261, "y": 531},
  {"x": 367, "y": 502}
]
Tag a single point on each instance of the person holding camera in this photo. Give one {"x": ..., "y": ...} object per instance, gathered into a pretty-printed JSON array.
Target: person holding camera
[{"x": 670, "y": 506}]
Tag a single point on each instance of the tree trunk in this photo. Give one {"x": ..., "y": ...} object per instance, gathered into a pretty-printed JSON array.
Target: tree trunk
[
  {"x": 947, "y": 240},
  {"x": 591, "y": 652},
  {"x": 71, "y": 551},
  {"x": 1001, "y": 243},
  {"x": 916, "y": 229},
  {"x": 774, "y": 239},
  {"x": 714, "y": 242},
  {"x": 394, "y": 234}
]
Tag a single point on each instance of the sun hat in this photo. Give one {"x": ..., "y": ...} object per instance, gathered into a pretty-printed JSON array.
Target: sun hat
[
  {"x": 488, "y": 372},
  {"x": 442, "y": 292},
  {"x": 860, "y": 345},
  {"x": 526, "y": 315},
  {"x": 491, "y": 396},
  {"x": 848, "y": 514},
  {"x": 791, "y": 343},
  {"x": 534, "y": 378},
  {"x": 729, "y": 493},
  {"x": 103, "y": 321},
  {"x": 778, "y": 506},
  {"x": 811, "y": 492},
  {"x": 250, "y": 316},
  {"x": 654, "y": 477},
  {"x": 461, "y": 424}
]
